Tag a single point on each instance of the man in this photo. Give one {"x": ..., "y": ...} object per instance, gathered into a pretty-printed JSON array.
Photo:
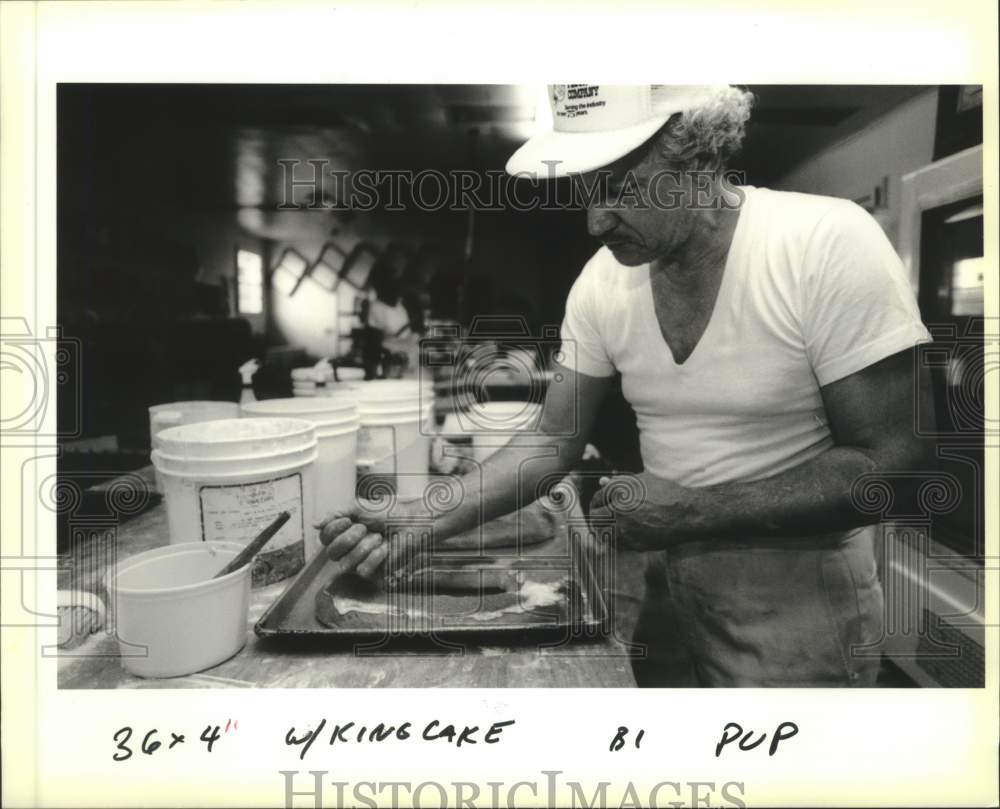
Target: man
[{"x": 765, "y": 341}]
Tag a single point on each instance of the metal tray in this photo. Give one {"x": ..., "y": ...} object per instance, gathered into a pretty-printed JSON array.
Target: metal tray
[{"x": 585, "y": 616}]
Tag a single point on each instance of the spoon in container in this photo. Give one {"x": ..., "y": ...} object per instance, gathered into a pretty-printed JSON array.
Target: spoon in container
[{"x": 251, "y": 550}]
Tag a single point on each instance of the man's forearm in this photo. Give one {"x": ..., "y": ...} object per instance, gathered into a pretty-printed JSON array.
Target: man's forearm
[
  {"x": 815, "y": 497},
  {"x": 812, "y": 498}
]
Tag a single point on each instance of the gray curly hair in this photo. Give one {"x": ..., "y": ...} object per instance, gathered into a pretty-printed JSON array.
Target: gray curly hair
[{"x": 709, "y": 136}]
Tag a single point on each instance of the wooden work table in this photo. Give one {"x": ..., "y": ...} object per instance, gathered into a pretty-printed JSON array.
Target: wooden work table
[{"x": 270, "y": 664}]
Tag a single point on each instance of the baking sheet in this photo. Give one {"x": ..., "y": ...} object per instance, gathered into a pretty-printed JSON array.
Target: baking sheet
[{"x": 580, "y": 615}]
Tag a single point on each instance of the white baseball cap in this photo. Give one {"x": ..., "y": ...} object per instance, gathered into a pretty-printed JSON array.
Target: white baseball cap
[{"x": 595, "y": 124}]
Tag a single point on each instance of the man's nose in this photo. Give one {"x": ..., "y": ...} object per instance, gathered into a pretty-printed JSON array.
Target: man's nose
[{"x": 600, "y": 220}]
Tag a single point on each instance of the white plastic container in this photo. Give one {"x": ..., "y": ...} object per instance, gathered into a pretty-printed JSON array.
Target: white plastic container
[
  {"x": 394, "y": 393},
  {"x": 395, "y": 436},
  {"x": 172, "y": 618},
  {"x": 304, "y": 381},
  {"x": 494, "y": 424},
  {"x": 348, "y": 374},
  {"x": 226, "y": 480},
  {"x": 307, "y": 374},
  {"x": 174, "y": 414},
  {"x": 336, "y": 421}
]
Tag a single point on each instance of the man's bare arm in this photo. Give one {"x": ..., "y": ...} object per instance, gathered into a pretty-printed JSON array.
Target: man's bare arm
[{"x": 508, "y": 479}]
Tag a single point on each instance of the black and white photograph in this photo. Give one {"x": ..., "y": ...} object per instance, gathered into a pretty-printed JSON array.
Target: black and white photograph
[{"x": 566, "y": 386}]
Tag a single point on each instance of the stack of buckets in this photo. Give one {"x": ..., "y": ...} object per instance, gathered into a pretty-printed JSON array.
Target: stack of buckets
[
  {"x": 224, "y": 480},
  {"x": 227, "y": 478},
  {"x": 305, "y": 381}
]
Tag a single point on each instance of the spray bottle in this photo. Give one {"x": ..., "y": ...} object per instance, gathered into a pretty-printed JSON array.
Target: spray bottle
[{"x": 247, "y": 370}]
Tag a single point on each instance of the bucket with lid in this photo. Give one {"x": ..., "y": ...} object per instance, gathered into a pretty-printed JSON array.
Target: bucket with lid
[
  {"x": 347, "y": 373},
  {"x": 171, "y": 617},
  {"x": 395, "y": 393},
  {"x": 336, "y": 421},
  {"x": 223, "y": 478},
  {"x": 304, "y": 381},
  {"x": 394, "y": 440},
  {"x": 173, "y": 414},
  {"x": 493, "y": 424}
]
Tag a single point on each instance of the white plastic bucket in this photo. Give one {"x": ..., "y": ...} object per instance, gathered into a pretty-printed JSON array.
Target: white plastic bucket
[
  {"x": 174, "y": 414},
  {"x": 227, "y": 480},
  {"x": 394, "y": 439},
  {"x": 388, "y": 395},
  {"x": 348, "y": 374},
  {"x": 172, "y": 618},
  {"x": 336, "y": 423},
  {"x": 304, "y": 381},
  {"x": 394, "y": 390},
  {"x": 494, "y": 424}
]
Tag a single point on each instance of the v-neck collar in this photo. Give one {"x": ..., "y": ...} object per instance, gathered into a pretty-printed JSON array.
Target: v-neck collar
[{"x": 721, "y": 297}]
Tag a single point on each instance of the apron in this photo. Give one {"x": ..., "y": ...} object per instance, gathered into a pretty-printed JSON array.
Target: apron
[{"x": 779, "y": 613}]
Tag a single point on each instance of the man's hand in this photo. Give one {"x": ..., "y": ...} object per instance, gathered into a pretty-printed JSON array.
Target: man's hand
[
  {"x": 358, "y": 540},
  {"x": 648, "y": 511}
]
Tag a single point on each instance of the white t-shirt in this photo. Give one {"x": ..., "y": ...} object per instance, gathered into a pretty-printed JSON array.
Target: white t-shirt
[{"x": 812, "y": 292}]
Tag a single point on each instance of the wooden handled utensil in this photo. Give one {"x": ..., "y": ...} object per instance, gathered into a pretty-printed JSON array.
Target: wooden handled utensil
[{"x": 251, "y": 550}]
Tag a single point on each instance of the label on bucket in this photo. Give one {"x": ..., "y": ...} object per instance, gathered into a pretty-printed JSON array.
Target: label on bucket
[{"x": 239, "y": 511}]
